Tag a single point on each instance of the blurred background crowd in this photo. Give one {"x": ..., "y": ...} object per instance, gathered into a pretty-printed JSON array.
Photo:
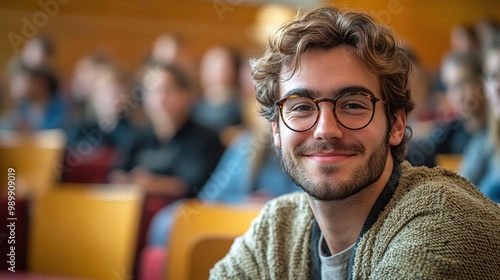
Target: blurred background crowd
[{"x": 158, "y": 96}]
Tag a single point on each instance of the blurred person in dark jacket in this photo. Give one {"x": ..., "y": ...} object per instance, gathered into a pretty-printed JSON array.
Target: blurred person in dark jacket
[{"x": 176, "y": 155}]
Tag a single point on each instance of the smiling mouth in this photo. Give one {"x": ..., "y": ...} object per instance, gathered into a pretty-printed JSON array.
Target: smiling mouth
[
  {"x": 331, "y": 152},
  {"x": 330, "y": 157}
]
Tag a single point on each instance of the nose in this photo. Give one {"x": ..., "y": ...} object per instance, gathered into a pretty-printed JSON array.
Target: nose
[{"x": 327, "y": 126}]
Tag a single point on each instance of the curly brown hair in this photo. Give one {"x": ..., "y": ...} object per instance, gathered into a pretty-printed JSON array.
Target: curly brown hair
[{"x": 326, "y": 28}]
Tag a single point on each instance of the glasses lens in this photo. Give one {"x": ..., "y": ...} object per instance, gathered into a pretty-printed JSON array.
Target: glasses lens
[
  {"x": 354, "y": 110},
  {"x": 299, "y": 113}
]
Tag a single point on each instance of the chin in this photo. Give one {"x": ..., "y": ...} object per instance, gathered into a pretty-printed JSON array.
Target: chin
[{"x": 332, "y": 194}]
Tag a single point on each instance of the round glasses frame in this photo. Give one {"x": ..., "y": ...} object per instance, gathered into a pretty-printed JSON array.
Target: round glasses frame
[{"x": 280, "y": 103}]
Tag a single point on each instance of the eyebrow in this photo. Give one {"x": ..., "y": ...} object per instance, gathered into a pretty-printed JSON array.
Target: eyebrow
[
  {"x": 302, "y": 92},
  {"x": 334, "y": 93}
]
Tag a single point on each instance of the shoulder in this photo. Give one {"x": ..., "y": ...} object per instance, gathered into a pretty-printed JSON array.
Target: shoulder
[
  {"x": 441, "y": 190},
  {"x": 436, "y": 183},
  {"x": 440, "y": 222}
]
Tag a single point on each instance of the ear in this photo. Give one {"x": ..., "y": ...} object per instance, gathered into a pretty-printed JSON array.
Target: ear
[
  {"x": 276, "y": 134},
  {"x": 398, "y": 128}
]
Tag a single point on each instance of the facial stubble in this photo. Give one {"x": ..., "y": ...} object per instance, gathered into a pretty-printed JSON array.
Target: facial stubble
[{"x": 325, "y": 187}]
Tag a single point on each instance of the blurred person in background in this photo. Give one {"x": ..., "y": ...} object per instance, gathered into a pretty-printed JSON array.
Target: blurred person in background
[
  {"x": 485, "y": 167},
  {"x": 176, "y": 155},
  {"x": 461, "y": 73},
  {"x": 34, "y": 97},
  {"x": 174, "y": 49},
  {"x": 39, "y": 52},
  {"x": 463, "y": 39},
  {"x": 168, "y": 48},
  {"x": 82, "y": 81},
  {"x": 36, "y": 101},
  {"x": 220, "y": 103},
  {"x": 106, "y": 133}
]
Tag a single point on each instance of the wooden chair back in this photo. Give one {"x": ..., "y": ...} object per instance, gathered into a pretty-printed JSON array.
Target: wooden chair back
[
  {"x": 35, "y": 159},
  {"x": 85, "y": 231},
  {"x": 202, "y": 234}
]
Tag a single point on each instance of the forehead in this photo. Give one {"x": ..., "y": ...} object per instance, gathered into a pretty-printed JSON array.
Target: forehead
[{"x": 328, "y": 71}]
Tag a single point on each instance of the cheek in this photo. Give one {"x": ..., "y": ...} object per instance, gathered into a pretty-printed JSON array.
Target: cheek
[{"x": 288, "y": 140}]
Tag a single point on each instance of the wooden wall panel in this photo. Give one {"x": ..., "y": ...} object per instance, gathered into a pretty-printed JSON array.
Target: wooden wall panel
[{"x": 129, "y": 27}]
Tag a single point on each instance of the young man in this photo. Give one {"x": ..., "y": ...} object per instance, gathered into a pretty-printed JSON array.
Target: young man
[{"x": 335, "y": 88}]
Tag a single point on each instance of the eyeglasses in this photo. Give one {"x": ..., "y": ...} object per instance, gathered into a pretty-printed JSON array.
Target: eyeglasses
[{"x": 353, "y": 110}]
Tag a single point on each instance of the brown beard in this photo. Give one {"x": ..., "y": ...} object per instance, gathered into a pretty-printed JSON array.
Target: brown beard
[{"x": 329, "y": 190}]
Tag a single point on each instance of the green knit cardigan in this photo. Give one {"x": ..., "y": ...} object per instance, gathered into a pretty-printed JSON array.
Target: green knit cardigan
[{"x": 437, "y": 225}]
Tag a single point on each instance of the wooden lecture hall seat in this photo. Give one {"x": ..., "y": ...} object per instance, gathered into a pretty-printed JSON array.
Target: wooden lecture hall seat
[
  {"x": 36, "y": 159},
  {"x": 202, "y": 234},
  {"x": 27, "y": 162},
  {"x": 86, "y": 231}
]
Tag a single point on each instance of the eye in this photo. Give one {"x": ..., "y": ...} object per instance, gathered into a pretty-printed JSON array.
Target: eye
[
  {"x": 353, "y": 105},
  {"x": 355, "y": 101},
  {"x": 303, "y": 107},
  {"x": 299, "y": 106}
]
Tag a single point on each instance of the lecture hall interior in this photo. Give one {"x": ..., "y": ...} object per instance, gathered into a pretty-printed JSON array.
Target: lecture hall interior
[{"x": 100, "y": 179}]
